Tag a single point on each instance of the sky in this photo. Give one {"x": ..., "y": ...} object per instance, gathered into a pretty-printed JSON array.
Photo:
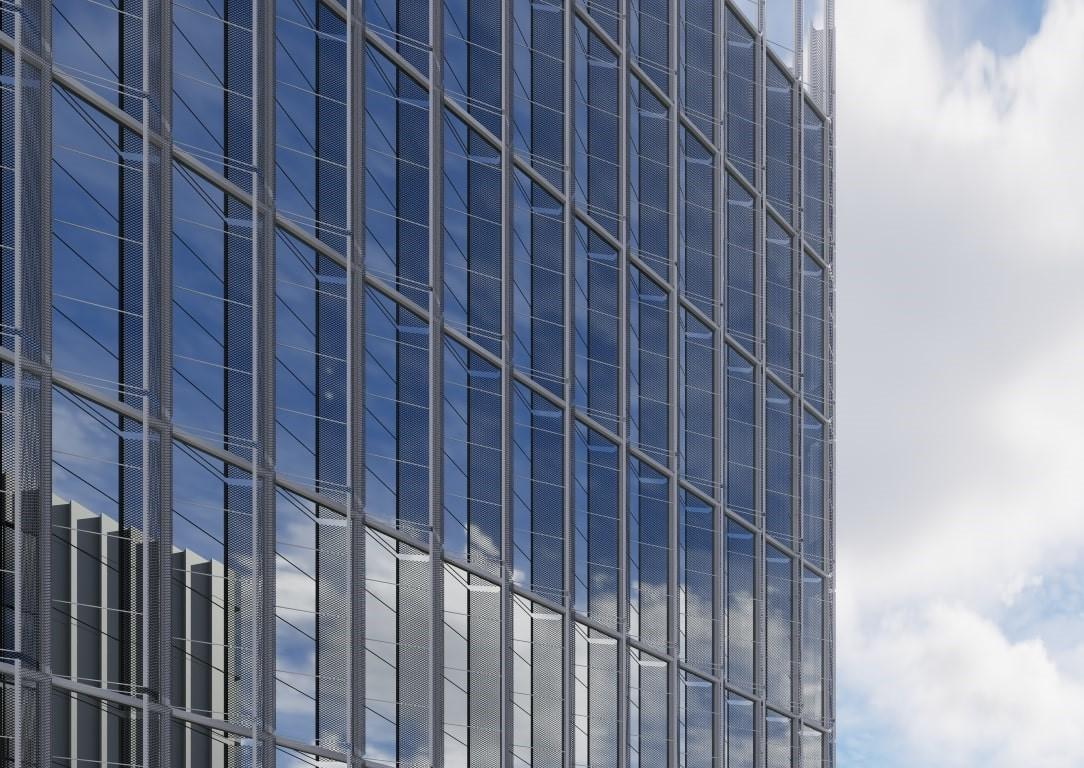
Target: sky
[{"x": 960, "y": 362}]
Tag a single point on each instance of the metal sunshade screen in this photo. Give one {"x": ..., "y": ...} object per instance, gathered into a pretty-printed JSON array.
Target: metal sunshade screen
[
  {"x": 649, "y": 740},
  {"x": 473, "y": 693},
  {"x": 312, "y": 622},
  {"x": 398, "y": 648},
  {"x": 537, "y": 686},
  {"x": 595, "y": 703}
]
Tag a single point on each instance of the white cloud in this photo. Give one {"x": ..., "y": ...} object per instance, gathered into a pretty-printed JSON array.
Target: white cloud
[{"x": 960, "y": 352}]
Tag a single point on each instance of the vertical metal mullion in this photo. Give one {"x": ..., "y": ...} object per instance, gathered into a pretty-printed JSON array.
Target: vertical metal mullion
[
  {"x": 507, "y": 414},
  {"x": 798, "y": 507},
  {"x": 568, "y": 465},
  {"x": 719, "y": 368},
  {"x": 830, "y": 448},
  {"x": 436, "y": 372},
  {"x": 355, "y": 350},
  {"x": 164, "y": 89},
  {"x": 149, "y": 527},
  {"x": 263, "y": 366},
  {"x": 759, "y": 577},
  {"x": 673, "y": 383},
  {"x": 16, "y": 482},
  {"x": 622, "y": 387}
]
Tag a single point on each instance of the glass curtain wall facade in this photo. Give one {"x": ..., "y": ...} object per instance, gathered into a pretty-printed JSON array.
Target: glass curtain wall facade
[{"x": 417, "y": 383}]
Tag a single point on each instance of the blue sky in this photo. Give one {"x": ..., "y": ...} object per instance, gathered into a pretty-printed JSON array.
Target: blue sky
[{"x": 960, "y": 343}]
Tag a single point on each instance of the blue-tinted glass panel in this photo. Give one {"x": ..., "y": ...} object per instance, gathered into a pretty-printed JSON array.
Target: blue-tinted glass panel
[
  {"x": 649, "y": 179},
  {"x": 779, "y": 464},
  {"x": 779, "y": 618},
  {"x": 212, "y": 314},
  {"x": 813, "y": 201},
  {"x": 740, "y": 605},
  {"x": 212, "y": 85},
  {"x": 595, "y": 699},
  {"x": 596, "y": 327},
  {"x": 538, "y": 270},
  {"x": 813, "y": 332},
  {"x": 595, "y": 496},
  {"x": 813, "y": 522},
  {"x": 696, "y": 722},
  {"x": 697, "y": 71},
  {"x": 740, "y": 732},
  {"x": 310, "y": 369},
  {"x": 97, "y": 236},
  {"x": 781, "y": 301},
  {"x": 696, "y": 224},
  {"x": 538, "y": 494},
  {"x": 649, "y": 554},
  {"x": 597, "y": 129},
  {"x": 741, "y": 427},
  {"x": 696, "y": 582},
  {"x": 696, "y": 411},
  {"x": 472, "y": 58},
  {"x": 311, "y": 119},
  {"x": 472, "y": 457},
  {"x": 741, "y": 97},
  {"x": 779, "y": 29},
  {"x": 538, "y": 90},
  {"x": 396, "y": 415},
  {"x": 91, "y": 43},
  {"x": 472, "y": 234},
  {"x": 649, "y": 366},
  {"x": 647, "y": 717},
  {"x": 649, "y": 39},
  {"x": 396, "y": 178},
  {"x": 741, "y": 277},
  {"x": 780, "y": 142},
  {"x": 812, "y": 646}
]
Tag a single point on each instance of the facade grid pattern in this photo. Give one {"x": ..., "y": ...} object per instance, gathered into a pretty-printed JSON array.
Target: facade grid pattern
[{"x": 417, "y": 383}]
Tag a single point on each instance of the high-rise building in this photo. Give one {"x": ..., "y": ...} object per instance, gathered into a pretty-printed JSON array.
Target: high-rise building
[{"x": 418, "y": 383}]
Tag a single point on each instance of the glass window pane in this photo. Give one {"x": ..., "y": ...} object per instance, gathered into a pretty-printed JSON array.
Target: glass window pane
[
  {"x": 472, "y": 457},
  {"x": 596, "y": 516},
  {"x": 740, "y": 605},
  {"x": 538, "y": 494},
  {"x": 396, "y": 415},
  {"x": 539, "y": 275},
  {"x": 649, "y": 555},
  {"x": 649, "y": 366}
]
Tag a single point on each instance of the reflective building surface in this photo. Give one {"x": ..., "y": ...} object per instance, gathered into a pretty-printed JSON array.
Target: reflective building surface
[{"x": 416, "y": 383}]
